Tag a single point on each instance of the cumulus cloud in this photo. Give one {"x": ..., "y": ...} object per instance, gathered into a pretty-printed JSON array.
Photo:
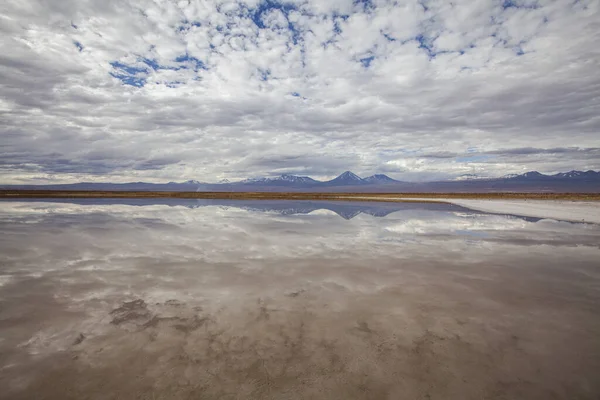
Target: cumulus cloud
[{"x": 174, "y": 90}]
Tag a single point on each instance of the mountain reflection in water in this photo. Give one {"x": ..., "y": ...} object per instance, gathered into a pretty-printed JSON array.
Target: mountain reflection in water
[{"x": 345, "y": 209}]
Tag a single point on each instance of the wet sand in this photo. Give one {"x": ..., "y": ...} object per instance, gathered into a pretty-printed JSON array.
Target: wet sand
[{"x": 115, "y": 314}]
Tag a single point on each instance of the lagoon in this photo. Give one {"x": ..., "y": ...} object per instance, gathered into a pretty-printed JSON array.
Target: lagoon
[{"x": 228, "y": 299}]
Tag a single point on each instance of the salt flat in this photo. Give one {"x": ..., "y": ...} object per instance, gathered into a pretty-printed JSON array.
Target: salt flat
[
  {"x": 575, "y": 211},
  {"x": 563, "y": 210}
]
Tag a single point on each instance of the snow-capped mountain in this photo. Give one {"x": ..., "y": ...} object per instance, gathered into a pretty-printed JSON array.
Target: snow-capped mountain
[
  {"x": 533, "y": 181},
  {"x": 532, "y": 174},
  {"x": 346, "y": 178},
  {"x": 578, "y": 175},
  {"x": 294, "y": 178},
  {"x": 284, "y": 179},
  {"x": 570, "y": 174},
  {"x": 563, "y": 176}
]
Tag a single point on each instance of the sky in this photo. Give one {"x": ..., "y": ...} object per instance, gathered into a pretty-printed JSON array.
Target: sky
[{"x": 164, "y": 90}]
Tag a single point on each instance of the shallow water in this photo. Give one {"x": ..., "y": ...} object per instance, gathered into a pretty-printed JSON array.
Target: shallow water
[{"x": 180, "y": 299}]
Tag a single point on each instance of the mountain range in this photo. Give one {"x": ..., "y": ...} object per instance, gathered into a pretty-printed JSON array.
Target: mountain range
[{"x": 533, "y": 181}]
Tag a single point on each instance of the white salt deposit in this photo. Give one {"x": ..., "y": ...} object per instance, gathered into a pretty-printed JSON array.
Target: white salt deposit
[{"x": 576, "y": 211}]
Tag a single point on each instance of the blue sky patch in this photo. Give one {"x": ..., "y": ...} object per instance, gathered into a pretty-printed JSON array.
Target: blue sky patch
[
  {"x": 513, "y": 4},
  {"x": 127, "y": 69},
  {"x": 388, "y": 37},
  {"x": 424, "y": 43},
  {"x": 151, "y": 63},
  {"x": 366, "y": 62},
  {"x": 298, "y": 95},
  {"x": 267, "y": 6},
  {"x": 366, "y": 5},
  {"x": 137, "y": 75},
  {"x": 187, "y": 59},
  {"x": 129, "y": 80},
  {"x": 187, "y": 25},
  {"x": 129, "y": 75},
  {"x": 264, "y": 74}
]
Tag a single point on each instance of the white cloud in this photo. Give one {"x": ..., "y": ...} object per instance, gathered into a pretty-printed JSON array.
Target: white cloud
[{"x": 161, "y": 90}]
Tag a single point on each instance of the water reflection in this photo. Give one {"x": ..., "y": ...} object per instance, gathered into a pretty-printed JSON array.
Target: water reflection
[
  {"x": 344, "y": 209},
  {"x": 391, "y": 300}
]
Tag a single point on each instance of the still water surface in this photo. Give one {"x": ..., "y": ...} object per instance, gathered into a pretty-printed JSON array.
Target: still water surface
[{"x": 199, "y": 299}]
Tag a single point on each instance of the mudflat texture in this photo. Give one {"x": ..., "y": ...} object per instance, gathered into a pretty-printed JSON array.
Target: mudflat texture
[{"x": 229, "y": 302}]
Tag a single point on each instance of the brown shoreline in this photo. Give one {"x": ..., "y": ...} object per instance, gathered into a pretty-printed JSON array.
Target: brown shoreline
[{"x": 68, "y": 194}]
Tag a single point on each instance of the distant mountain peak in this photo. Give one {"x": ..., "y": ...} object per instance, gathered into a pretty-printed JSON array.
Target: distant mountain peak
[
  {"x": 294, "y": 178},
  {"x": 346, "y": 178},
  {"x": 563, "y": 176},
  {"x": 570, "y": 174},
  {"x": 532, "y": 181},
  {"x": 253, "y": 180},
  {"x": 379, "y": 178},
  {"x": 348, "y": 175},
  {"x": 577, "y": 174},
  {"x": 283, "y": 179},
  {"x": 532, "y": 174}
]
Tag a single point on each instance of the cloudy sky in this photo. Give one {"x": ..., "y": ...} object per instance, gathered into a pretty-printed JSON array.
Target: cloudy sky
[{"x": 161, "y": 90}]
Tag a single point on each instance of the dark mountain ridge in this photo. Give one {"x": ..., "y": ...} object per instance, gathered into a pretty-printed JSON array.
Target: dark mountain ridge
[{"x": 533, "y": 181}]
